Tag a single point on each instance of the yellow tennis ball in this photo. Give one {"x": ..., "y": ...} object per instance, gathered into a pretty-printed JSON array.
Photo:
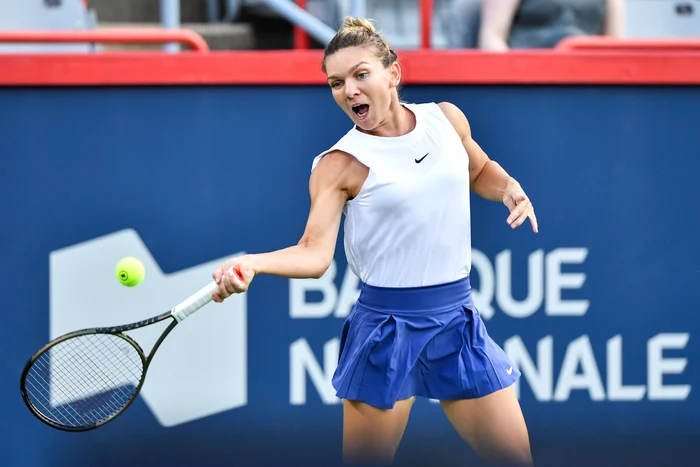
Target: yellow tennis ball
[{"x": 130, "y": 271}]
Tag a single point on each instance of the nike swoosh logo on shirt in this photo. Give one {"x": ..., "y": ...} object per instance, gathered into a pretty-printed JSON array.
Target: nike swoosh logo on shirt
[{"x": 418, "y": 161}]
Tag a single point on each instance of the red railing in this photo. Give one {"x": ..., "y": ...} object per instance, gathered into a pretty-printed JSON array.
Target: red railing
[
  {"x": 426, "y": 21},
  {"x": 301, "y": 67},
  {"x": 301, "y": 38},
  {"x": 116, "y": 35},
  {"x": 608, "y": 44}
]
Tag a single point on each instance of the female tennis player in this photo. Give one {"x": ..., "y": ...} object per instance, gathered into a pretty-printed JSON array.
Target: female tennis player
[{"x": 402, "y": 176}]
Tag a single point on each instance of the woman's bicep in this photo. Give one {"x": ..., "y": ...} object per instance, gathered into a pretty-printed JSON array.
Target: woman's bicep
[
  {"x": 328, "y": 196},
  {"x": 324, "y": 218}
]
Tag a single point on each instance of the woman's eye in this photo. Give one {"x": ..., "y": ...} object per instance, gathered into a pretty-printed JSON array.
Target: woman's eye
[{"x": 363, "y": 75}]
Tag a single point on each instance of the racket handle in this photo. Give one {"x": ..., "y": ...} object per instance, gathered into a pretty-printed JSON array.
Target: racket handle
[{"x": 196, "y": 301}]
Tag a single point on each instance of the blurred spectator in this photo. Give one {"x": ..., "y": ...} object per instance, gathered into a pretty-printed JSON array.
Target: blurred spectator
[
  {"x": 510, "y": 24},
  {"x": 462, "y": 21}
]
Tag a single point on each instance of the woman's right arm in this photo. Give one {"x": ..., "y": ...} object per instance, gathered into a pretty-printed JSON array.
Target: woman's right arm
[{"x": 313, "y": 254}]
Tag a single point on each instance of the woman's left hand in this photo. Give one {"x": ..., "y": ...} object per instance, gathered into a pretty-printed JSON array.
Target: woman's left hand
[{"x": 519, "y": 205}]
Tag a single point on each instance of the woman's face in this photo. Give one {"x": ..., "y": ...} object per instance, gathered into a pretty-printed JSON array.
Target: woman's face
[{"x": 361, "y": 86}]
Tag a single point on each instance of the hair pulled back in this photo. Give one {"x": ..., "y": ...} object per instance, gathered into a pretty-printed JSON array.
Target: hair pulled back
[{"x": 359, "y": 32}]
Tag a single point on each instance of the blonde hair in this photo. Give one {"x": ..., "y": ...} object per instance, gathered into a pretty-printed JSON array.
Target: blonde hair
[{"x": 359, "y": 32}]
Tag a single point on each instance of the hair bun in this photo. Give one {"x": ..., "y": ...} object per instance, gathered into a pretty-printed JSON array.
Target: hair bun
[{"x": 351, "y": 22}]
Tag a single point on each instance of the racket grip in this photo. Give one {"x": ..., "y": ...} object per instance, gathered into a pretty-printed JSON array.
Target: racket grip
[
  {"x": 194, "y": 302},
  {"x": 198, "y": 300}
]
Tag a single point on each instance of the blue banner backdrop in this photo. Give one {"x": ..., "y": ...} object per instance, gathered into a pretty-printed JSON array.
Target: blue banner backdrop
[{"x": 599, "y": 310}]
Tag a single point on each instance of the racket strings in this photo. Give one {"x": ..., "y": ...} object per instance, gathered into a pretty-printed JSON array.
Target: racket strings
[{"x": 85, "y": 379}]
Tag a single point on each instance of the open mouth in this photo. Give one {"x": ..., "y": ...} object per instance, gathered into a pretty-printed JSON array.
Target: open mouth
[{"x": 361, "y": 110}]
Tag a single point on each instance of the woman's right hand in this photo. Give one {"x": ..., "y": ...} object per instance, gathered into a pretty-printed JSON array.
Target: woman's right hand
[{"x": 233, "y": 276}]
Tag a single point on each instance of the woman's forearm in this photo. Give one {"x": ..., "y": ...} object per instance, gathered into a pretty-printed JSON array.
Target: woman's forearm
[{"x": 298, "y": 262}]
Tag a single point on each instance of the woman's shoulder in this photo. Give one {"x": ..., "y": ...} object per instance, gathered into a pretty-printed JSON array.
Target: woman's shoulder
[
  {"x": 339, "y": 150},
  {"x": 440, "y": 109},
  {"x": 451, "y": 111},
  {"x": 455, "y": 116}
]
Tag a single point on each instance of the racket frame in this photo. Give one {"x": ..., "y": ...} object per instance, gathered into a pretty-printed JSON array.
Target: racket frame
[
  {"x": 117, "y": 331},
  {"x": 179, "y": 313}
]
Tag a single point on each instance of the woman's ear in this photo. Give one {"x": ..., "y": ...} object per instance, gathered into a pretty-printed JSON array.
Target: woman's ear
[{"x": 395, "y": 72}]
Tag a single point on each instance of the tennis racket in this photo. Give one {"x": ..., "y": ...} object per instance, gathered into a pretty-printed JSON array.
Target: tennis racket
[{"x": 86, "y": 378}]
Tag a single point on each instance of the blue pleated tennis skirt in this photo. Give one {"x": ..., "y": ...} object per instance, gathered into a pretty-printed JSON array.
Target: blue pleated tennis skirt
[{"x": 419, "y": 341}]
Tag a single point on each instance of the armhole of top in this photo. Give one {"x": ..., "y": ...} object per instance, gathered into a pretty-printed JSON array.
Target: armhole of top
[
  {"x": 440, "y": 114},
  {"x": 444, "y": 119},
  {"x": 371, "y": 176},
  {"x": 338, "y": 146},
  {"x": 318, "y": 158},
  {"x": 451, "y": 128}
]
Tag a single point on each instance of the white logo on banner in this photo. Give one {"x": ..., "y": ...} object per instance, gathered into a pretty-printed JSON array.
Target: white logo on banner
[
  {"x": 211, "y": 345},
  {"x": 200, "y": 369}
]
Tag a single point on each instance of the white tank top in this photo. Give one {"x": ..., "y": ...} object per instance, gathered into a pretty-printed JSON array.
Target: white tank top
[{"x": 410, "y": 224}]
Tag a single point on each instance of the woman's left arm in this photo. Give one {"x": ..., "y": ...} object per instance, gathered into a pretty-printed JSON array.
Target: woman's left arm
[{"x": 487, "y": 178}]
